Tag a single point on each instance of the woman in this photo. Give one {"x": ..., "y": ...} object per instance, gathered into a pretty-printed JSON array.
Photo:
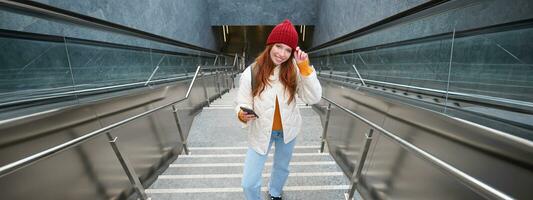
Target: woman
[{"x": 278, "y": 82}]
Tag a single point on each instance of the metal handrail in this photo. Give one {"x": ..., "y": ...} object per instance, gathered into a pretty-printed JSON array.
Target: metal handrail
[
  {"x": 90, "y": 90},
  {"x": 17, "y": 165},
  {"x": 126, "y": 165},
  {"x": 471, "y": 182},
  {"x": 508, "y": 102},
  {"x": 208, "y": 67},
  {"x": 385, "y": 22}
]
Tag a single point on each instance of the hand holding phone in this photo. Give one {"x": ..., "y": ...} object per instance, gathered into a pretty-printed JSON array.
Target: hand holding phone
[{"x": 249, "y": 111}]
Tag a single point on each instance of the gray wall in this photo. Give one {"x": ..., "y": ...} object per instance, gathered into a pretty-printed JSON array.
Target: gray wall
[
  {"x": 260, "y": 12},
  {"x": 339, "y": 17},
  {"x": 182, "y": 20}
]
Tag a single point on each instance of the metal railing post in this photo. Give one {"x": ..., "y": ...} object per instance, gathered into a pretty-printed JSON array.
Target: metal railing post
[
  {"x": 215, "y": 62},
  {"x": 180, "y": 131},
  {"x": 235, "y": 60},
  {"x": 233, "y": 79},
  {"x": 205, "y": 89},
  {"x": 152, "y": 75},
  {"x": 217, "y": 82},
  {"x": 226, "y": 79},
  {"x": 221, "y": 82},
  {"x": 325, "y": 130},
  {"x": 228, "y": 73},
  {"x": 223, "y": 72},
  {"x": 330, "y": 71},
  {"x": 357, "y": 172},
  {"x": 359, "y": 75},
  {"x": 128, "y": 168}
]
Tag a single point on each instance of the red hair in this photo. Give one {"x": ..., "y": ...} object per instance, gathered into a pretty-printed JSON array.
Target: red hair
[{"x": 287, "y": 73}]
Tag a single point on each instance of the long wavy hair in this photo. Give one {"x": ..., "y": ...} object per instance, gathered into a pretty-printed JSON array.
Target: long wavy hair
[{"x": 287, "y": 73}]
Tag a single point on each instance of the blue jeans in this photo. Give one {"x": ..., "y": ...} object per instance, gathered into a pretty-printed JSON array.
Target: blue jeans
[{"x": 255, "y": 162}]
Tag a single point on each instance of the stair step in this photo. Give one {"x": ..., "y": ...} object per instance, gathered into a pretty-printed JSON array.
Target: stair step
[
  {"x": 290, "y": 192},
  {"x": 224, "y": 158},
  {"x": 235, "y": 168},
  {"x": 202, "y": 176},
  {"x": 239, "y": 189},
  {"x": 243, "y": 149},
  {"x": 240, "y": 164},
  {"x": 234, "y": 180}
]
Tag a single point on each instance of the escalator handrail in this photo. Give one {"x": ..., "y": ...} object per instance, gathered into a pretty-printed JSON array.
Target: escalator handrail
[
  {"x": 523, "y": 105},
  {"x": 209, "y": 67},
  {"x": 471, "y": 182},
  {"x": 385, "y": 22},
  {"x": 19, "y": 164},
  {"x": 89, "y": 91}
]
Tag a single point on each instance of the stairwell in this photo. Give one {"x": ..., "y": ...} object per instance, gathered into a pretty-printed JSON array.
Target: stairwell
[{"x": 218, "y": 147}]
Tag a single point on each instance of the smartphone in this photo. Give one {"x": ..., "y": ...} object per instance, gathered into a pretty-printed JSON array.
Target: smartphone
[{"x": 249, "y": 111}]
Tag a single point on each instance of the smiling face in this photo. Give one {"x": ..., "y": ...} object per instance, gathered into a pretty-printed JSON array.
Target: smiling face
[{"x": 280, "y": 53}]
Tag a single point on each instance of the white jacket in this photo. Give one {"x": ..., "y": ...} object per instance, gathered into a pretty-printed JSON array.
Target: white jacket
[{"x": 260, "y": 129}]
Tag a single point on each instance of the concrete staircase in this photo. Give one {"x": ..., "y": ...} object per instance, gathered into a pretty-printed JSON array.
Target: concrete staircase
[{"x": 218, "y": 148}]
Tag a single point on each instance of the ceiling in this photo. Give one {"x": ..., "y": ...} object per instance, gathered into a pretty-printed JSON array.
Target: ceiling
[{"x": 251, "y": 39}]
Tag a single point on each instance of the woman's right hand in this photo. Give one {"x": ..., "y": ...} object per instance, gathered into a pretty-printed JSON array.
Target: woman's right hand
[{"x": 245, "y": 117}]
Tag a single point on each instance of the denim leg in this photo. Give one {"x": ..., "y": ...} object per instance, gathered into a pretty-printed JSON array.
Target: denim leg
[
  {"x": 252, "y": 175},
  {"x": 280, "y": 168}
]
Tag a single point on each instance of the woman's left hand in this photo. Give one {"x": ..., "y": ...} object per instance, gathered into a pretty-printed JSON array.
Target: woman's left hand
[{"x": 300, "y": 55}]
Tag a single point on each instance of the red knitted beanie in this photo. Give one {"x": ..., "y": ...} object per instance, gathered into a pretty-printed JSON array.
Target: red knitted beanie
[{"x": 284, "y": 33}]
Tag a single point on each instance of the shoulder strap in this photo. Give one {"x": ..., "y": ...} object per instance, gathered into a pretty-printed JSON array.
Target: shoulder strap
[{"x": 253, "y": 74}]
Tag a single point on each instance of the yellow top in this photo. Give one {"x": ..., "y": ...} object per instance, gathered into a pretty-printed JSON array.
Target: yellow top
[{"x": 276, "y": 124}]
